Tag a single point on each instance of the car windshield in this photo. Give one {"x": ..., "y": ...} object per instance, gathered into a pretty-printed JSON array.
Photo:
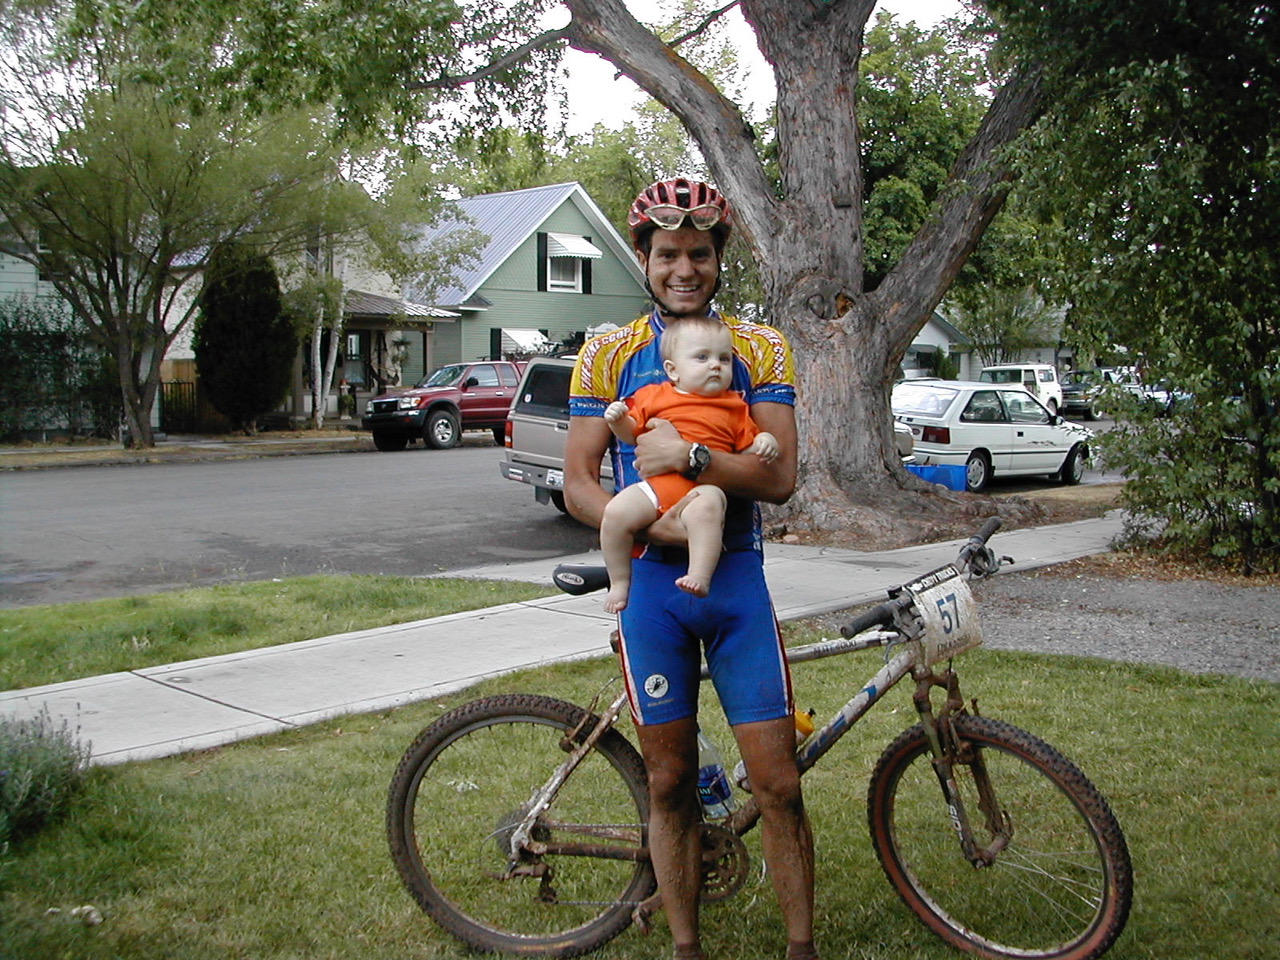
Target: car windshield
[
  {"x": 1081, "y": 377},
  {"x": 445, "y": 376},
  {"x": 922, "y": 400}
]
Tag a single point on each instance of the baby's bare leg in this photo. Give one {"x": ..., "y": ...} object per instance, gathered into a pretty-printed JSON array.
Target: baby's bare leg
[
  {"x": 703, "y": 518},
  {"x": 624, "y": 516}
]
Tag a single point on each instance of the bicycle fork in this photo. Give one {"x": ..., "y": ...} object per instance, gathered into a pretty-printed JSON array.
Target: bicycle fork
[{"x": 949, "y": 751}]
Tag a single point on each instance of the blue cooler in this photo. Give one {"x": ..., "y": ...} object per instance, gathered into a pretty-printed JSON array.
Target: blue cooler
[{"x": 948, "y": 476}]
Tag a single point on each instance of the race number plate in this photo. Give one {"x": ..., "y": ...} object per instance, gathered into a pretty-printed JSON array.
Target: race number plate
[{"x": 950, "y": 616}]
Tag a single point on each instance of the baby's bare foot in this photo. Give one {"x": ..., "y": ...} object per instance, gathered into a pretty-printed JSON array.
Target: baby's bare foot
[
  {"x": 615, "y": 600},
  {"x": 695, "y": 585}
]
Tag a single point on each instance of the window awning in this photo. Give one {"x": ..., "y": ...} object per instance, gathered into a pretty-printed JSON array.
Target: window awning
[
  {"x": 568, "y": 245},
  {"x": 524, "y": 341}
]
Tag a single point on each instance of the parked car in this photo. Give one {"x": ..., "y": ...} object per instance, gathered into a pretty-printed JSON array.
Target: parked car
[
  {"x": 1038, "y": 379},
  {"x": 536, "y": 429},
  {"x": 1159, "y": 396},
  {"x": 904, "y": 441},
  {"x": 538, "y": 424},
  {"x": 991, "y": 429},
  {"x": 456, "y": 397},
  {"x": 1083, "y": 392}
]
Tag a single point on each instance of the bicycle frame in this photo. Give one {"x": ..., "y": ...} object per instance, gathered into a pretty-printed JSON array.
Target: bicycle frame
[{"x": 906, "y": 660}]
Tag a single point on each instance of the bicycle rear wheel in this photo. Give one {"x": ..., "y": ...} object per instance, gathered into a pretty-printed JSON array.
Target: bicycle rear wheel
[
  {"x": 1062, "y": 886},
  {"x": 463, "y": 786}
]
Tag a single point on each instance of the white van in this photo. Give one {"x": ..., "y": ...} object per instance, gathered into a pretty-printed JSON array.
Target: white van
[{"x": 1038, "y": 379}]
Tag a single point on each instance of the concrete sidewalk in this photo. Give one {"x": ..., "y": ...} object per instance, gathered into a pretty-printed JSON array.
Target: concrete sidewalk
[{"x": 164, "y": 710}]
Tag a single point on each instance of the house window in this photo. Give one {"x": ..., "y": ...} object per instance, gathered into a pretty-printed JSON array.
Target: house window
[
  {"x": 564, "y": 262},
  {"x": 565, "y": 274}
]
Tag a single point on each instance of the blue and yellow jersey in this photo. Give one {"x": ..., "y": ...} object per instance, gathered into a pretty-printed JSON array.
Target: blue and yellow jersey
[{"x": 615, "y": 365}]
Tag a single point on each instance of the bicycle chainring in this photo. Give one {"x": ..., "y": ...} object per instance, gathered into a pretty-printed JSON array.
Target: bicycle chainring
[{"x": 725, "y": 863}]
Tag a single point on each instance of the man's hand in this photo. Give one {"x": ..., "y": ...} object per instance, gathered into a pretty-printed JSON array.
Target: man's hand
[{"x": 661, "y": 449}]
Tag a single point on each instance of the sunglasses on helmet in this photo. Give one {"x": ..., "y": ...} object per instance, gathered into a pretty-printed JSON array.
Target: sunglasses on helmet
[{"x": 669, "y": 217}]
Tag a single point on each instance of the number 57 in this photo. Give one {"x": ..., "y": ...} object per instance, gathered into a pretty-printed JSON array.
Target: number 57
[{"x": 949, "y": 610}]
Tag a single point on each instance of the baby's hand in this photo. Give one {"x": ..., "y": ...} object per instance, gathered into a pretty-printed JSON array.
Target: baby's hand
[
  {"x": 615, "y": 411},
  {"x": 765, "y": 446}
]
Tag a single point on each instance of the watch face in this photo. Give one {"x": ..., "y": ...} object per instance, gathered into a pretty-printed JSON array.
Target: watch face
[{"x": 700, "y": 455}]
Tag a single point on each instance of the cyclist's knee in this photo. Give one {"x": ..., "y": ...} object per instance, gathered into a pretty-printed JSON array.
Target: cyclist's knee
[
  {"x": 671, "y": 785},
  {"x": 778, "y": 791}
]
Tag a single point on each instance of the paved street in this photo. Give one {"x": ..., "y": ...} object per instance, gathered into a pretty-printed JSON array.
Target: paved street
[{"x": 77, "y": 534}]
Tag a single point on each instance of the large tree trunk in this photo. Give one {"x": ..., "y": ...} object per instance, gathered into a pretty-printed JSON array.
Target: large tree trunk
[{"x": 808, "y": 240}]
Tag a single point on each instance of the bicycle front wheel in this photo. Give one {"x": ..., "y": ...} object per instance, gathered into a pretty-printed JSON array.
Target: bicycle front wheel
[
  {"x": 462, "y": 788},
  {"x": 1059, "y": 883}
]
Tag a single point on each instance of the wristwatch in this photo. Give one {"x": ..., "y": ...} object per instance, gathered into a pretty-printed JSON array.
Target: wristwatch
[{"x": 699, "y": 458}]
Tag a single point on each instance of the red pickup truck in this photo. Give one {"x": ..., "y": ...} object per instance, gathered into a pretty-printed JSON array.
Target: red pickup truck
[{"x": 456, "y": 397}]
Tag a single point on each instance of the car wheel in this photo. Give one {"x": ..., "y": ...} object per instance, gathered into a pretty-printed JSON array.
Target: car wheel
[
  {"x": 557, "y": 500},
  {"x": 390, "y": 442},
  {"x": 1091, "y": 412},
  {"x": 977, "y": 472},
  {"x": 1052, "y": 404},
  {"x": 1072, "y": 471},
  {"x": 442, "y": 431},
  {"x": 500, "y": 435}
]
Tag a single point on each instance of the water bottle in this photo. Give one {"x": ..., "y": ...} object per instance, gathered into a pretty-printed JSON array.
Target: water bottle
[
  {"x": 714, "y": 790},
  {"x": 804, "y": 729}
]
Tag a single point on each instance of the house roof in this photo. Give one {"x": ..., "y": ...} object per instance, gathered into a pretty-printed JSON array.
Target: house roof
[
  {"x": 360, "y": 303},
  {"x": 509, "y": 219},
  {"x": 954, "y": 333}
]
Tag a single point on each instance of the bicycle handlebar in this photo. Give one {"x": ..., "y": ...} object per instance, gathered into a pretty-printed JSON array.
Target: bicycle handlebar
[
  {"x": 881, "y": 615},
  {"x": 983, "y": 535},
  {"x": 975, "y": 557}
]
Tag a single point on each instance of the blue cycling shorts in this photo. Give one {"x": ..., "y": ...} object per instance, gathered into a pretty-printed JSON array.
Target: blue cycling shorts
[{"x": 664, "y": 630}]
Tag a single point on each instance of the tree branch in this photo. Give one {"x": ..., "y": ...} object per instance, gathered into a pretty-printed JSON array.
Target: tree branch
[
  {"x": 489, "y": 70},
  {"x": 608, "y": 29},
  {"x": 709, "y": 19},
  {"x": 974, "y": 194}
]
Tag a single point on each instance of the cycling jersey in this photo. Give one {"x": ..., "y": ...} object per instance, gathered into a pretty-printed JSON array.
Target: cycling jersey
[{"x": 663, "y": 629}]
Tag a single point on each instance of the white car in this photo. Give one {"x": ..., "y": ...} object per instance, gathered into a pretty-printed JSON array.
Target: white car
[{"x": 991, "y": 429}]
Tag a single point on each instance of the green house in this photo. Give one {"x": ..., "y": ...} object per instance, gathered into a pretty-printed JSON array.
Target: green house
[{"x": 553, "y": 269}]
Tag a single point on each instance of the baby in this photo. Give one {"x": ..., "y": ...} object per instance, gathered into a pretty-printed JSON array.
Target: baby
[{"x": 697, "y": 355}]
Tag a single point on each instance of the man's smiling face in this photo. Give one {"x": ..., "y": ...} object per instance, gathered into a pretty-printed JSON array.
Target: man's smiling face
[{"x": 682, "y": 266}]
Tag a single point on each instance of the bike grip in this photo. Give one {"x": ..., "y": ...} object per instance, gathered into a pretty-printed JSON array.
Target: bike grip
[
  {"x": 881, "y": 615},
  {"x": 991, "y": 526}
]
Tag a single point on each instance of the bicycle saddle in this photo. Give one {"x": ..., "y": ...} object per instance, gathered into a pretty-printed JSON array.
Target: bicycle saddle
[{"x": 580, "y": 578}]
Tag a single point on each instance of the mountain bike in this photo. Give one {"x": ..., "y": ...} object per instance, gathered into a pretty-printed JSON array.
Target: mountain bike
[{"x": 517, "y": 822}]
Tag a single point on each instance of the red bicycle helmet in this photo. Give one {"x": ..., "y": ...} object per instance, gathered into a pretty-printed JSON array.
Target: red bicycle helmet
[{"x": 668, "y": 204}]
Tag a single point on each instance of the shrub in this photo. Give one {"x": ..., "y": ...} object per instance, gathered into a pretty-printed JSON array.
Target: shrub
[
  {"x": 52, "y": 377},
  {"x": 244, "y": 344},
  {"x": 41, "y": 767}
]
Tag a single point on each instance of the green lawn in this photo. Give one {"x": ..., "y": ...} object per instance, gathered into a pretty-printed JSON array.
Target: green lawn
[
  {"x": 49, "y": 644},
  {"x": 273, "y": 849}
]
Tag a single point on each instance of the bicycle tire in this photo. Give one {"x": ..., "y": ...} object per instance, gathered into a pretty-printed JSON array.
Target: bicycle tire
[
  {"x": 1060, "y": 890},
  {"x": 467, "y": 777}
]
